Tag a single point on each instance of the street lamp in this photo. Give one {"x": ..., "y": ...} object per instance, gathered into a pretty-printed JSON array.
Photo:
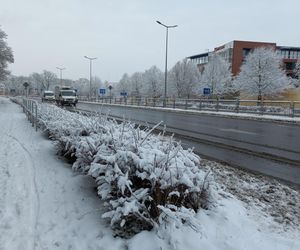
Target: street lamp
[
  {"x": 166, "y": 63},
  {"x": 91, "y": 59},
  {"x": 60, "y": 69}
]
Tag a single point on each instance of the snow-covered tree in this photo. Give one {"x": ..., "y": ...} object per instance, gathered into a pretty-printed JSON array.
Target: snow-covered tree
[
  {"x": 217, "y": 76},
  {"x": 82, "y": 85},
  {"x": 48, "y": 78},
  {"x": 14, "y": 84},
  {"x": 297, "y": 74},
  {"x": 136, "y": 84},
  {"x": 6, "y": 56},
  {"x": 262, "y": 74},
  {"x": 124, "y": 84},
  {"x": 44, "y": 80},
  {"x": 184, "y": 77},
  {"x": 153, "y": 82},
  {"x": 96, "y": 85},
  {"x": 37, "y": 81}
]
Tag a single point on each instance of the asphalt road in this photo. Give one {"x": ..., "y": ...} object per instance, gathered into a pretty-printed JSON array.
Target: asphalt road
[{"x": 271, "y": 148}]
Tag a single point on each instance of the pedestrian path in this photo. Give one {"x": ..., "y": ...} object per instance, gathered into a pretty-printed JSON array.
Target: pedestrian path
[{"x": 43, "y": 204}]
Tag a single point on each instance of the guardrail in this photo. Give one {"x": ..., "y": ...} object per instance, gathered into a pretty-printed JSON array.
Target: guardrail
[
  {"x": 31, "y": 111},
  {"x": 269, "y": 107}
]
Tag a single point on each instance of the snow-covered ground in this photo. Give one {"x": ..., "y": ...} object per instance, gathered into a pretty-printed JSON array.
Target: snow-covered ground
[{"x": 44, "y": 205}]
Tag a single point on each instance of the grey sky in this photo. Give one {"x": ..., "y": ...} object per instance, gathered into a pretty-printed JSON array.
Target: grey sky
[{"x": 123, "y": 34}]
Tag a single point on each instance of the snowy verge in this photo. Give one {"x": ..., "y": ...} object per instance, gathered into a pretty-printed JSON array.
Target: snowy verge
[{"x": 146, "y": 180}]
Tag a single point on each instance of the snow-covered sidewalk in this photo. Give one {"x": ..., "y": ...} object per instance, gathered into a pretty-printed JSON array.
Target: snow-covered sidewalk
[{"x": 44, "y": 205}]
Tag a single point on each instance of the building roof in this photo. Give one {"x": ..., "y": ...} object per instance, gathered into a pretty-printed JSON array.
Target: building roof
[
  {"x": 288, "y": 48},
  {"x": 198, "y": 55}
]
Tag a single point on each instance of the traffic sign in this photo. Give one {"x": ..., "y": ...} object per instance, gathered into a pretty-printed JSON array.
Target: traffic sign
[
  {"x": 123, "y": 93},
  {"x": 102, "y": 91},
  {"x": 206, "y": 91}
]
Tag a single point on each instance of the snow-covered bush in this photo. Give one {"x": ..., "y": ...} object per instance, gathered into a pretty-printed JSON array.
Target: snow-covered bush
[{"x": 146, "y": 180}]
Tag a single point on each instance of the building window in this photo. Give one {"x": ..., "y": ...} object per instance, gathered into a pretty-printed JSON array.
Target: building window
[
  {"x": 246, "y": 52},
  {"x": 290, "y": 65}
]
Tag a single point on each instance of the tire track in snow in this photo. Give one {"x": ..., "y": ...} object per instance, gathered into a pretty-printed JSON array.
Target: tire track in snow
[{"x": 37, "y": 201}]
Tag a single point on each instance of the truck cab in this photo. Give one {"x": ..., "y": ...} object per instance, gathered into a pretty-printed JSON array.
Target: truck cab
[{"x": 66, "y": 96}]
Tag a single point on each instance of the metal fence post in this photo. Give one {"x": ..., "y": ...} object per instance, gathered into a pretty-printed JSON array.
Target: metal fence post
[
  {"x": 32, "y": 116},
  {"x": 200, "y": 104},
  {"x": 36, "y": 118},
  {"x": 217, "y": 105},
  {"x": 292, "y": 109},
  {"x": 27, "y": 110},
  {"x": 261, "y": 107},
  {"x": 174, "y": 103},
  {"x": 237, "y": 108}
]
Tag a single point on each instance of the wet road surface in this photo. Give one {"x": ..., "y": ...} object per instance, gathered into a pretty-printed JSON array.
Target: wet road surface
[{"x": 267, "y": 147}]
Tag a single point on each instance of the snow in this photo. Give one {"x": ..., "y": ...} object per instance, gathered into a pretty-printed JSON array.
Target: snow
[{"x": 45, "y": 205}]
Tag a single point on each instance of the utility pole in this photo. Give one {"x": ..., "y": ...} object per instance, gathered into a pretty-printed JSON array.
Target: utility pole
[
  {"x": 60, "y": 69},
  {"x": 91, "y": 59},
  {"x": 166, "y": 62}
]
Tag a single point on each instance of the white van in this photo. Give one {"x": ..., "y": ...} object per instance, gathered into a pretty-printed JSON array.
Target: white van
[{"x": 48, "y": 95}]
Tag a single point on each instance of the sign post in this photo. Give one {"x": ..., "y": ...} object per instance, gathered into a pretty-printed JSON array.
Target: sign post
[
  {"x": 26, "y": 84},
  {"x": 102, "y": 92}
]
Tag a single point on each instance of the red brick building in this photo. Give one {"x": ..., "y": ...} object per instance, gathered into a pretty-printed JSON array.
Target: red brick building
[{"x": 235, "y": 52}]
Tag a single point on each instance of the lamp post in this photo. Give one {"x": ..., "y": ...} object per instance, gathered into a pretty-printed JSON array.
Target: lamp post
[
  {"x": 91, "y": 59},
  {"x": 60, "y": 69},
  {"x": 166, "y": 62}
]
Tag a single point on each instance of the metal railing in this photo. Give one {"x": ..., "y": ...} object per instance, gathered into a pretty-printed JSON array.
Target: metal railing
[
  {"x": 30, "y": 108},
  {"x": 264, "y": 107}
]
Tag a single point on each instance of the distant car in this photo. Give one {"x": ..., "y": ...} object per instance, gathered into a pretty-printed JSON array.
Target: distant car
[{"x": 48, "y": 96}]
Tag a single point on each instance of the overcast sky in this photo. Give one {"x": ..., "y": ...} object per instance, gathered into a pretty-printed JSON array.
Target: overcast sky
[{"x": 45, "y": 34}]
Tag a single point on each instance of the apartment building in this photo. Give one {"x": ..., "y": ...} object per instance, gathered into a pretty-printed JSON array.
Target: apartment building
[{"x": 235, "y": 52}]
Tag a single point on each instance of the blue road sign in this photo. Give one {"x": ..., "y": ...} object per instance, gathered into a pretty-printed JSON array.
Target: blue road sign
[
  {"x": 123, "y": 93},
  {"x": 206, "y": 91},
  {"x": 102, "y": 91}
]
